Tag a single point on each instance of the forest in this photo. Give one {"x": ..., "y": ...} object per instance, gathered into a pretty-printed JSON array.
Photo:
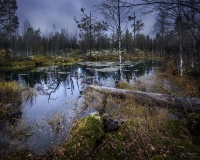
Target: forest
[
  {"x": 105, "y": 90},
  {"x": 176, "y": 31}
]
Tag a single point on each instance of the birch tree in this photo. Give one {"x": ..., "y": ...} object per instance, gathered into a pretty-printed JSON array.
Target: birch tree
[
  {"x": 115, "y": 13},
  {"x": 184, "y": 16},
  {"x": 26, "y": 36}
]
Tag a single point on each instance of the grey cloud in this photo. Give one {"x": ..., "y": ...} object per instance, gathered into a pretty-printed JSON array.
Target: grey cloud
[{"x": 44, "y": 14}]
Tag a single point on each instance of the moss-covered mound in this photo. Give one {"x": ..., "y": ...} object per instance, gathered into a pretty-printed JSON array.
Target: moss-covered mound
[{"x": 86, "y": 135}]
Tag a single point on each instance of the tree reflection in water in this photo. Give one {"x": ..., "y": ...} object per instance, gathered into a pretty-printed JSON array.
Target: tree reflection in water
[
  {"x": 49, "y": 83},
  {"x": 44, "y": 122}
]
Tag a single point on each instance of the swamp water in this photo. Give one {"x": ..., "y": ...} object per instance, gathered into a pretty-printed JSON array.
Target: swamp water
[{"x": 43, "y": 120}]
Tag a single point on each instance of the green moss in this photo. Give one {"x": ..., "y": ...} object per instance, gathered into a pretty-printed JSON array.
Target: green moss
[{"x": 85, "y": 135}]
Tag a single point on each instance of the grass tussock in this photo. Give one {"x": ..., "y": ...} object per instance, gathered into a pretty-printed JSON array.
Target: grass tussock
[
  {"x": 10, "y": 92},
  {"x": 11, "y": 97}
]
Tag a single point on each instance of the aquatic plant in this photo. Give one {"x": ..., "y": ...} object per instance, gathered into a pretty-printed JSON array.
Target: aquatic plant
[{"x": 57, "y": 122}]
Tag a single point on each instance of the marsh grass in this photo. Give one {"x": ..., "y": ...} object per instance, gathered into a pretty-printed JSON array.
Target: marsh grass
[
  {"x": 10, "y": 99},
  {"x": 188, "y": 82},
  {"x": 32, "y": 62},
  {"x": 25, "y": 63},
  {"x": 14, "y": 130},
  {"x": 22, "y": 146},
  {"x": 15, "y": 143},
  {"x": 148, "y": 132},
  {"x": 10, "y": 92}
]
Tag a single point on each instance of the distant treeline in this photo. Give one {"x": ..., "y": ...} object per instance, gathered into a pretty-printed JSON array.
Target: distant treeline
[{"x": 176, "y": 31}]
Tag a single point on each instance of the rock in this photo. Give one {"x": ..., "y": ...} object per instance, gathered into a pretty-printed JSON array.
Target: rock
[{"x": 111, "y": 124}]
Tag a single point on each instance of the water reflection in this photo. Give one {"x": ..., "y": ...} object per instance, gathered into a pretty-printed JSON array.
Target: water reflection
[{"x": 49, "y": 115}]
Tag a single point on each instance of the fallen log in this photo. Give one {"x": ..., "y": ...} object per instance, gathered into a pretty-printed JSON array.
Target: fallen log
[{"x": 187, "y": 104}]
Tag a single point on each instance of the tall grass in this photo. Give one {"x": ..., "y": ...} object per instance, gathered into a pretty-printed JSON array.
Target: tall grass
[
  {"x": 14, "y": 130},
  {"x": 149, "y": 132},
  {"x": 12, "y": 95},
  {"x": 10, "y": 92},
  {"x": 10, "y": 98}
]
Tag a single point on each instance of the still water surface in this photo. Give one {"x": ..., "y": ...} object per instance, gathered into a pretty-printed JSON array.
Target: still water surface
[{"x": 45, "y": 118}]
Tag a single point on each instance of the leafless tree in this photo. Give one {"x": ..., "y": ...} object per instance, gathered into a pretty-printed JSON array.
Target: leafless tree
[{"x": 115, "y": 12}]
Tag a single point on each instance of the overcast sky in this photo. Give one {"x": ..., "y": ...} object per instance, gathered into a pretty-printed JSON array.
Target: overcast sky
[{"x": 44, "y": 14}]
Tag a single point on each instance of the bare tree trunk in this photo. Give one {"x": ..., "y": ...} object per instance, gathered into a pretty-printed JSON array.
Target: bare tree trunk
[
  {"x": 134, "y": 34},
  {"x": 27, "y": 46},
  {"x": 189, "y": 104},
  {"x": 119, "y": 34},
  {"x": 180, "y": 41},
  {"x": 181, "y": 57},
  {"x": 90, "y": 35}
]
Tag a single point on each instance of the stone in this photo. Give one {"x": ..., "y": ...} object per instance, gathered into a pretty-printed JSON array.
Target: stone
[{"x": 111, "y": 124}]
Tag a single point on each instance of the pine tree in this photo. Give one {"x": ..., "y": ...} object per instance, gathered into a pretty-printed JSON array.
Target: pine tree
[{"x": 8, "y": 19}]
